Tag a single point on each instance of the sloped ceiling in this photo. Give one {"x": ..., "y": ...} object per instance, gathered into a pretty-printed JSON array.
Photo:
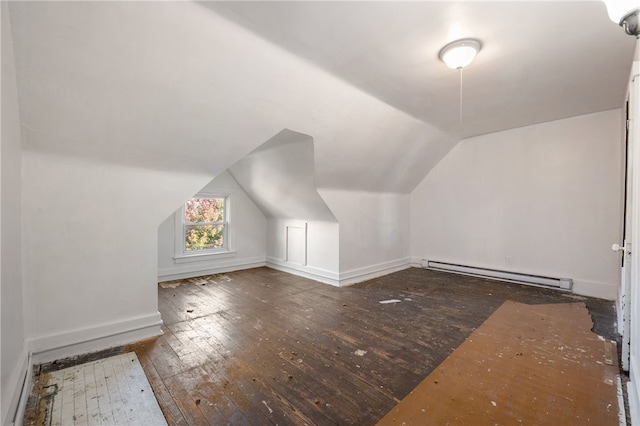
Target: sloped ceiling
[
  {"x": 197, "y": 86},
  {"x": 175, "y": 86},
  {"x": 279, "y": 176},
  {"x": 540, "y": 60}
]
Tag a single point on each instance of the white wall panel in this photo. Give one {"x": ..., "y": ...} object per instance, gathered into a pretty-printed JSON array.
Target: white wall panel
[{"x": 543, "y": 199}]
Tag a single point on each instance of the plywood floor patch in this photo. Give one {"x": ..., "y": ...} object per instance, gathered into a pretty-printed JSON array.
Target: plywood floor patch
[
  {"x": 526, "y": 364},
  {"x": 109, "y": 391}
]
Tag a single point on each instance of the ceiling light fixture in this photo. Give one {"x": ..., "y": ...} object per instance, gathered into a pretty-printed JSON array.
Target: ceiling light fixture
[
  {"x": 460, "y": 53},
  {"x": 625, "y": 13},
  {"x": 457, "y": 55}
]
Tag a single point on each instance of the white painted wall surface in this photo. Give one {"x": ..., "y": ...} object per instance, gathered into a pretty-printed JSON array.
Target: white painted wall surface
[
  {"x": 247, "y": 233},
  {"x": 547, "y": 196},
  {"x": 280, "y": 176},
  {"x": 374, "y": 232},
  {"x": 90, "y": 235},
  {"x": 322, "y": 249},
  {"x": 13, "y": 351}
]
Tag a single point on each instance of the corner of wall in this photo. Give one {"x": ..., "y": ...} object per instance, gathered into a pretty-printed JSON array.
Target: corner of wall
[
  {"x": 355, "y": 276},
  {"x": 14, "y": 397}
]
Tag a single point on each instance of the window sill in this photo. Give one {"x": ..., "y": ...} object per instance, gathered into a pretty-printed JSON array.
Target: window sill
[{"x": 202, "y": 257}]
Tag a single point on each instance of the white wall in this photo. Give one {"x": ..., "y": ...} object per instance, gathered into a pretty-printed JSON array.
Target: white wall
[
  {"x": 374, "y": 232},
  {"x": 547, "y": 196},
  {"x": 280, "y": 176},
  {"x": 321, "y": 245},
  {"x": 247, "y": 235},
  {"x": 91, "y": 260},
  {"x": 13, "y": 351}
]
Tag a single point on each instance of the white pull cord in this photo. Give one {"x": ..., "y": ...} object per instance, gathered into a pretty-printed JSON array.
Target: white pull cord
[{"x": 460, "y": 121}]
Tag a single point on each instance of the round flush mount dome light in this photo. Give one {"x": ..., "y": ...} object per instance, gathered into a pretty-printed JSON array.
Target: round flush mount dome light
[
  {"x": 626, "y": 14},
  {"x": 460, "y": 53}
]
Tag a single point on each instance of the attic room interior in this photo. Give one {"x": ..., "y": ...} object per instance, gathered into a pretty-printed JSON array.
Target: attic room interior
[{"x": 297, "y": 213}]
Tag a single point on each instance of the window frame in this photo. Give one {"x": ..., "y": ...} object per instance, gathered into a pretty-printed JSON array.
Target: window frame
[{"x": 181, "y": 225}]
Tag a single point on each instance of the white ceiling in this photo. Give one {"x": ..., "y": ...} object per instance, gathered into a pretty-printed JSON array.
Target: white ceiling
[
  {"x": 541, "y": 60},
  {"x": 195, "y": 87}
]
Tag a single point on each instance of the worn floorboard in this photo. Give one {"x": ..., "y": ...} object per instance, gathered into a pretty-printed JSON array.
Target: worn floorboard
[{"x": 265, "y": 347}]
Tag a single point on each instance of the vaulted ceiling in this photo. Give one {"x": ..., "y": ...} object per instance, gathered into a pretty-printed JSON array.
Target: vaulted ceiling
[
  {"x": 198, "y": 86},
  {"x": 540, "y": 60}
]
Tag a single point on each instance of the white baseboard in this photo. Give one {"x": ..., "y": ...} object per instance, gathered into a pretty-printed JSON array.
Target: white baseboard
[
  {"x": 634, "y": 403},
  {"x": 14, "y": 397},
  {"x": 374, "y": 271},
  {"x": 310, "y": 272},
  {"x": 416, "y": 262},
  {"x": 316, "y": 274},
  {"x": 343, "y": 279},
  {"x": 196, "y": 269},
  {"x": 622, "y": 412},
  {"x": 600, "y": 290},
  {"x": 90, "y": 339},
  {"x": 633, "y": 396}
]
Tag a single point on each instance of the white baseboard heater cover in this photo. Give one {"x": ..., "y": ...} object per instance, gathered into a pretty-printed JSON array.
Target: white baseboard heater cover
[{"x": 515, "y": 277}]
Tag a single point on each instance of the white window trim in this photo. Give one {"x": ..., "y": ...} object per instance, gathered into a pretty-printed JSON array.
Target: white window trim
[{"x": 182, "y": 256}]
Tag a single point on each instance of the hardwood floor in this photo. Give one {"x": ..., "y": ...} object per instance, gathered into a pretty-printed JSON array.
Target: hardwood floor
[
  {"x": 265, "y": 347},
  {"x": 261, "y": 347}
]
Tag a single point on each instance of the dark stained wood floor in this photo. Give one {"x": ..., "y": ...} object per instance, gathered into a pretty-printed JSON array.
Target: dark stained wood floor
[{"x": 265, "y": 347}]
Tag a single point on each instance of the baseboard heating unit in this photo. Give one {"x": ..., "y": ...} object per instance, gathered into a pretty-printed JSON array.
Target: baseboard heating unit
[{"x": 514, "y": 277}]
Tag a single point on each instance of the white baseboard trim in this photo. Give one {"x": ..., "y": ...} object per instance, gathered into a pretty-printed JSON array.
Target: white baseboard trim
[
  {"x": 14, "y": 397},
  {"x": 90, "y": 339},
  {"x": 374, "y": 271},
  {"x": 633, "y": 396},
  {"x": 196, "y": 269},
  {"x": 622, "y": 412},
  {"x": 634, "y": 403},
  {"x": 416, "y": 262},
  {"x": 595, "y": 289},
  {"x": 310, "y": 272},
  {"x": 343, "y": 279}
]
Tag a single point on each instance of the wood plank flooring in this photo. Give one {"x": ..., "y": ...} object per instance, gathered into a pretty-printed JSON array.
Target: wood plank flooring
[
  {"x": 265, "y": 347},
  {"x": 262, "y": 347}
]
